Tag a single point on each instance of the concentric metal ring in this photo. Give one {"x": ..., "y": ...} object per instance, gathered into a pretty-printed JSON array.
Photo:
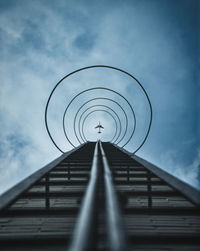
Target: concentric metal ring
[
  {"x": 79, "y": 122},
  {"x": 99, "y": 88},
  {"x": 101, "y": 98},
  {"x": 99, "y": 111},
  {"x": 99, "y": 66}
]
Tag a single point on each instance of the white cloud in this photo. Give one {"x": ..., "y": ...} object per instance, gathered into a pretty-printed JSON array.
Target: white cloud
[{"x": 190, "y": 173}]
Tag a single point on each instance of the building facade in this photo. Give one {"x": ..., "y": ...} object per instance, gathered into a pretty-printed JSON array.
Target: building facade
[{"x": 99, "y": 197}]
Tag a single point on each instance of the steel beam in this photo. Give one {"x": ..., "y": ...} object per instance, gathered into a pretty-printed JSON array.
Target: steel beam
[
  {"x": 84, "y": 236},
  {"x": 115, "y": 231},
  {"x": 185, "y": 189},
  {"x": 60, "y": 212},
  {"x": 12, "y": 194},
  {"x": 84, "y": 182}
]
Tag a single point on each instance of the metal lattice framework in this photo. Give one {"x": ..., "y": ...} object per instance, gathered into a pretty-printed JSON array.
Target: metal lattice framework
[{"x": 80, "y": 133}]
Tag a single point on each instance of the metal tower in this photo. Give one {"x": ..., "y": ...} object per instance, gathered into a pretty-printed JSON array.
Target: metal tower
[
  {"x": 99, "y": 196},
  {"x": 118, "y": 203}
]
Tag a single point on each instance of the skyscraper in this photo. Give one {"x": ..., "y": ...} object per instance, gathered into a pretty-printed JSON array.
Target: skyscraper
[{"x": 98, "y": 197}]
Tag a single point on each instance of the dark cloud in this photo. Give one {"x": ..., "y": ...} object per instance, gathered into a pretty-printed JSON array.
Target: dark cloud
[
  {"x": 5, "y": 5},
  {"x": 31, "y": 37},
  {"x": 85, "y": 42}
]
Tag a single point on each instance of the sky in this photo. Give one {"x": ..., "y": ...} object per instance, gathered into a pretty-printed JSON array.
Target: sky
[{"x": 157, "y": 41}]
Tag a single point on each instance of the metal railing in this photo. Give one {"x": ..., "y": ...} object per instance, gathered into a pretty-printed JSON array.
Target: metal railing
[
  {"x": 116, "y": 239},
  {"x": 8, "y": 197},
  {"x": 191, "y": 193},
  {"x": 85, "y": 234}
]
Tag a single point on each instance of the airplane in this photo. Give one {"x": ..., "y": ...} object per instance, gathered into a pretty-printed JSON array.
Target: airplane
[{"x": 99, "y": 126}]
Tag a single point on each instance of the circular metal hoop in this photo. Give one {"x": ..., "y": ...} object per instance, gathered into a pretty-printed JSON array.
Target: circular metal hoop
[
  {"x": 101, "y": 98},
  {"x": 99, "y": 111},
  {"x": 99, "y": 88},
  {"x": 99, "y": 66},
  {"x": 79, "y": 122}
]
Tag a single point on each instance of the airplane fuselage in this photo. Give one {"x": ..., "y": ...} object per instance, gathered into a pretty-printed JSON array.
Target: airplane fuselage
[{"x": 99, "y": 126}]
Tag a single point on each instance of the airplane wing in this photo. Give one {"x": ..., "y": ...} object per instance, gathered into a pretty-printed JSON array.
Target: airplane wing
[
  {"x": 97, "y": 126},
  {"x": 101, "y": 126}
]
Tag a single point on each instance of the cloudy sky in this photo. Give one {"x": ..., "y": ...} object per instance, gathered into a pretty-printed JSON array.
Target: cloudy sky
[{"x": 43, "y": 40}]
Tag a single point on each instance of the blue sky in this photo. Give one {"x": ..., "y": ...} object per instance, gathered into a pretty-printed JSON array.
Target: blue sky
[{"x": 155, "y": 40}]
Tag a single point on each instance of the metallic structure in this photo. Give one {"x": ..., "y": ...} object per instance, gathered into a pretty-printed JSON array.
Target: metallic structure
[
  {"x": 99, "y": 196},
  {"x": 99, "y": 88}
]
